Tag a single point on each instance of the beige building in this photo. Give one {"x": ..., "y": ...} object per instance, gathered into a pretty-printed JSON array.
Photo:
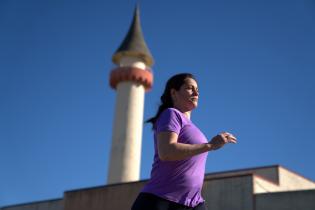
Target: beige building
[{"x": 262, "y": 188}]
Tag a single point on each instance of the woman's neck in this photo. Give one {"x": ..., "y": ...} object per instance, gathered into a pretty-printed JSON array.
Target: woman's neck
[{"x": 186, "y": 113}]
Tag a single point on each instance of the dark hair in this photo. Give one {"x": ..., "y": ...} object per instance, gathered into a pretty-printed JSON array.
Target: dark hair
[{"x": 175, "y": 82}]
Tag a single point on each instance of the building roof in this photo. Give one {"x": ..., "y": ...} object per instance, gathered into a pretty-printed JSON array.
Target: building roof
[{"x": 134, "y": 44}]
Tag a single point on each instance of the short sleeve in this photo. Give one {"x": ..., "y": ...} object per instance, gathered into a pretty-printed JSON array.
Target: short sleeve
[{"x": 169, "y": 120}]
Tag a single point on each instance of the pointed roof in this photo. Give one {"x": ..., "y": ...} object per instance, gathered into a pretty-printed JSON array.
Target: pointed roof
[{"x": 134, "y": 44}]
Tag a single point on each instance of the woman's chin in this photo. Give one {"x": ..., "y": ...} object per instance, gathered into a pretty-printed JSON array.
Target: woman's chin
[{"x": 194, "y": 105}]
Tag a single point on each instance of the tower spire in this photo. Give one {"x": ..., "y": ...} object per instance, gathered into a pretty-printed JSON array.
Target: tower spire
[{"x": 134, "y": 44}]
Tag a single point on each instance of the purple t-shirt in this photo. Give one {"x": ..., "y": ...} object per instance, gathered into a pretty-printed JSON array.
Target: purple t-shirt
[{"x": 178, "y": 181}]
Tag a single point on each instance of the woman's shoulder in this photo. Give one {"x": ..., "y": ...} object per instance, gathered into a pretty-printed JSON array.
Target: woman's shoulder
[
  {"x": 170, "y": 119},
  {"x": 171, "y": 111},
  {"x": 175, "y": 114}
]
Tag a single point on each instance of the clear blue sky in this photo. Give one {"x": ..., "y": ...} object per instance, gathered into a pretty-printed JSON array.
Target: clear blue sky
[{"x": 255, "y": 62}]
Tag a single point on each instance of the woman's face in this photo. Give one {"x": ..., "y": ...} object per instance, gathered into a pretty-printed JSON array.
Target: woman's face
[{"x": 186, "y": 98}]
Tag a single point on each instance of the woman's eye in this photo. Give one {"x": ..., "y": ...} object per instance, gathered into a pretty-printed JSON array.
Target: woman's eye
[{"x": 192, "y": 89}]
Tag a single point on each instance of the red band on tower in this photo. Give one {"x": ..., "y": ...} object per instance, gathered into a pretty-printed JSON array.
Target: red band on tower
[{"x": 122, "y": 74}]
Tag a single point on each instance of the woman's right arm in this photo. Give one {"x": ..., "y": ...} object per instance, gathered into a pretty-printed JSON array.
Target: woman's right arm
[{"x": 169, "y": 149}]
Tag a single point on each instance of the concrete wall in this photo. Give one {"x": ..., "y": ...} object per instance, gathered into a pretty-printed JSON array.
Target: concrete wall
[
  {"x": 42, "y": 205},
  {"x": 261, "y": 185},
  {"x": 289, "y": 180},
  {"x": 270, "y": 173},
  {"x": 293, "y": 200},
  {"x": 110, "y": 197},
  {"x": 229, "y": 193},
  {"x": 225, "y": 191}
]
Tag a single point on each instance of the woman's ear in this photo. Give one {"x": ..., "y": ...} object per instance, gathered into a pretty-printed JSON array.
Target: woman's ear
[{"x": 173, "y": 95}]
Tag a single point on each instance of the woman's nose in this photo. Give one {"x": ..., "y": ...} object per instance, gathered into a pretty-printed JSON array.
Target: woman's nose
[{"x": 196, "y": 92}]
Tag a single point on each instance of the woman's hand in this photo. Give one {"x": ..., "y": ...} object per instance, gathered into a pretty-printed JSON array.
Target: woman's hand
[{"x": 220, "y": 140}]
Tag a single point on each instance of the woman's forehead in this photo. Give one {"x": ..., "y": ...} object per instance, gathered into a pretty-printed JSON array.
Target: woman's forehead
[{"x": 190, "y": 81}]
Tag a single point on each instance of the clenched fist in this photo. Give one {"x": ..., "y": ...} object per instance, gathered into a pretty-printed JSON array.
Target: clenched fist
[{"x": 220, "y": 140}]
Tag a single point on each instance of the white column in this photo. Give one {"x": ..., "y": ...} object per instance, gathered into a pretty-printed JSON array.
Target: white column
[{"x": 127, "y": 131}]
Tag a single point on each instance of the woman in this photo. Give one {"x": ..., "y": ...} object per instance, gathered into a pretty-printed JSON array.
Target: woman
[{"x": 180, "y": 151}]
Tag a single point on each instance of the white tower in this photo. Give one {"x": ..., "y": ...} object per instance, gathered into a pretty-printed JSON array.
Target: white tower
[{"x": 131, "y": 79}]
